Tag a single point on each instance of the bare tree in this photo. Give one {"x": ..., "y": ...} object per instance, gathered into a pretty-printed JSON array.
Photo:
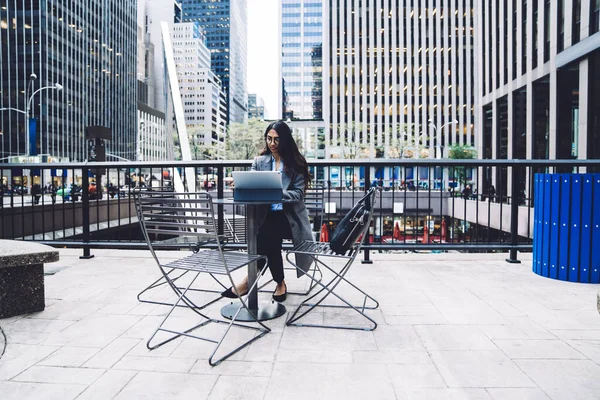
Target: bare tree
[
  {"x": 350, "y": 141},
  {"x": 407, "y": 143}
]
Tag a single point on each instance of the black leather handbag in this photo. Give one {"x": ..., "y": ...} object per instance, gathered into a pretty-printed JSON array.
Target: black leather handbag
[{"x": 352, "y": 225}]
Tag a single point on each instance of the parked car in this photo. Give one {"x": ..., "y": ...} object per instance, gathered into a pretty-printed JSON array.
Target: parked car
[
  {"x": 64, "y": 192},
  {"x": 69, "y": 193}
]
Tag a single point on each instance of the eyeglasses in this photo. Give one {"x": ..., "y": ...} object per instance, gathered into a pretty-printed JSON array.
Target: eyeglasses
[{"x": 271, "y": 139}]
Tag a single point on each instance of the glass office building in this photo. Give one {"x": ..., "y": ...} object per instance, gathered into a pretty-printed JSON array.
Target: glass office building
[
  {"x": 302, "y": 72},
  {"x": 225, "y": 25},
  {"x": 89, "y": 48},
  {"x": 302, "y": 59}
]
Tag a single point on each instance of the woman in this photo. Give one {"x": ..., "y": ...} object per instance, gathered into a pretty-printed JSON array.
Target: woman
[{"x": 281, "y": 221}]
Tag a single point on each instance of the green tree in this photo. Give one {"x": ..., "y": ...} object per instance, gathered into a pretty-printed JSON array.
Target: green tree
[
  {"x": 199, "y": 148},
  {"x": 244, "y": 142},
  {"x": 461, "y": 152}
]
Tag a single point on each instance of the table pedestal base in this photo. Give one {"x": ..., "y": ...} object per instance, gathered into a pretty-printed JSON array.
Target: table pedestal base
[{"x": 266, "y": 311}]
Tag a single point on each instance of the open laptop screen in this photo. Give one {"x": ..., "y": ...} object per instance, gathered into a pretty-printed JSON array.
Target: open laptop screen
[
  {"x": 257, "y": 179},
  {"x": 257, "y": 186}
]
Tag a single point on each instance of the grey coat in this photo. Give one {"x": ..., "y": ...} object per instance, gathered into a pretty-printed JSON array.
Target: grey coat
[{"x": 296, "y": 213}]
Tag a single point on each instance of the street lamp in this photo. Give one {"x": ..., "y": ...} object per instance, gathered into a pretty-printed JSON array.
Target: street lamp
[
  {"x": 56, "y": 86},
  {"x": 32, "y": 77},
  {"x": 439, "y": 147}
]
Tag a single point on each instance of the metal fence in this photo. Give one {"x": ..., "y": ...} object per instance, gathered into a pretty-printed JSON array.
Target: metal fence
[{"x": 426, "y": 205}]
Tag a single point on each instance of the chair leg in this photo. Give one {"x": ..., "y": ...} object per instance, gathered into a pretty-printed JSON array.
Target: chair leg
[
  {"x": 182, "y": 298},
  {"x": 162, "y": 281},
  {"x": 341, "y": 275},
  {"x": 262, "y": 331},
  {"x": 329, "y": 289}
]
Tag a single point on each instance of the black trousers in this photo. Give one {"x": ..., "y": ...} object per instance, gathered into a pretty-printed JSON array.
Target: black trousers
[{"x": 270, "y": 237}]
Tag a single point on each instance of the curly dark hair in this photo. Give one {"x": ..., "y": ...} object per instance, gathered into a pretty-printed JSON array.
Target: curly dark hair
[{"x": 288, "y": 150}]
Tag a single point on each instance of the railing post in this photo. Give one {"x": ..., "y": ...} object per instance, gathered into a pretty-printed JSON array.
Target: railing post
[
  {"x": 220, "y": 190},
  {"x": 85, "y": 211},
  {"x": 514, "y": 215},
  {"x": 366, "y": 257}
]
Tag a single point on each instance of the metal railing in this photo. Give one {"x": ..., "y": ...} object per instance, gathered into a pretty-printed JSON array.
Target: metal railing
[{"x": 423, "y": 207}]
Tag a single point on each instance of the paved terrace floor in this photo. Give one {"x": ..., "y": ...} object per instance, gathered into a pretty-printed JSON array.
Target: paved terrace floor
[{"x": 451, "y": 326}]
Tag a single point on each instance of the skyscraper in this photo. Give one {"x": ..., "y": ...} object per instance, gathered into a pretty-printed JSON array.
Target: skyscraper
[
  {"x": 90, "y": 50},
  {"x": 399, "y": 74},
  {"x": 225, "y": 24},
  {"x": 203, "y": 100},
  {"x": 256, "y": 106},
  {"x": 302, "y": 58},
  {"x": 302, "y": 72}
]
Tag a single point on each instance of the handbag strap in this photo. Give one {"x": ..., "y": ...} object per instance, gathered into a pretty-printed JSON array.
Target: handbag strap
[{"x": 367, "y": 197}]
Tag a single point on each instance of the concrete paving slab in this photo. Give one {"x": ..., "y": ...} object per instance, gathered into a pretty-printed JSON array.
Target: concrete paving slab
[
  {"x": 564, "y": 379},
  {"x": 451, "y": 326}
]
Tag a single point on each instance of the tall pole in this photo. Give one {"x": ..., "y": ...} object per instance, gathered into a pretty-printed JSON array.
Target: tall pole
[
  {"x": 439, "y": 147},
  {"x": 56, "y": 86},
  {"x": 138, "y": 147},
  {"x": 32, "y": 77}
]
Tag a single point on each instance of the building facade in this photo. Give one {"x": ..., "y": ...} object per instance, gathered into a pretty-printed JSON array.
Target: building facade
[
  {"x": 203, "y": 100},
  {"x": 225, "y": 25},
  {"x": 90, "y": 51},
  {"x": 399, "y": 77},
  {"x": 154, "y": 92},
  {"x": 302, "y": 25},
  {"x": 256, "y": 107},
  {"x": 152, "y": 143},
  {"x": 539, "y": 86}
]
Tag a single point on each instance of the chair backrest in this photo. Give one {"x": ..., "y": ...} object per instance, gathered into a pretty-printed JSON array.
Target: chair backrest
[
  {"x": 373, "y": 194},
  {"x": 172, "y": 220},
  {"x": 314, "y": 200}
]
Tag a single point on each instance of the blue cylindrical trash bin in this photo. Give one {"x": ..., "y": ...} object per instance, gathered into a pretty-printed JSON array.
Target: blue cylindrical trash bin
[{"x": 566, "y": 232}]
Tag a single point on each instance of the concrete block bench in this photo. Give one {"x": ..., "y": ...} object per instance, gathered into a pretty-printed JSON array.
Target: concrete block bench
[{"x": 22, "y": 276}]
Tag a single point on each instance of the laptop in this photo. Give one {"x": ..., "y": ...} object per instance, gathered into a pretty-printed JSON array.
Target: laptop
[{"x": 257, "y": 186}]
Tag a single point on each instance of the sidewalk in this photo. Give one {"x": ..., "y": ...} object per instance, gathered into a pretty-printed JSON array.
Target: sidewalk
[{"x": 451, "y": 326}]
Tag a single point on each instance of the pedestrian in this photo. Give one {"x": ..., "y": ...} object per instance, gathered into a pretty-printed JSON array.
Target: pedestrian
[
  {"x": 36, "y": 192},
  {"x": 53, "y": 190},
  {"x": 492, "y": 193},
  {"x": 74, "y": 192},
  {"x": 467, "y": 192}
]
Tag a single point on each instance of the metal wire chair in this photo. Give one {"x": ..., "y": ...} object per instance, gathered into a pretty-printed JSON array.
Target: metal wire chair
[
  {"x": 186, "y": 221},
  {"x": 321, "y": 252},
  {"x": 145, "y": 296}
]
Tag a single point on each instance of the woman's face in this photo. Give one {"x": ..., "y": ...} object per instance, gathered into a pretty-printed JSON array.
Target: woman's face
[{"x": 273, "y": 140}]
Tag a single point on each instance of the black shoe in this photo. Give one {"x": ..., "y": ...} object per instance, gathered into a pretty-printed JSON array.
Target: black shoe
[
  {"x": 230, "y": 294},
  {"x": 280, "y": 297}
]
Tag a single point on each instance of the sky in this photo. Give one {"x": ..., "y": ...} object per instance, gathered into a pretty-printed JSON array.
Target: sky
[{"x": 263, "y": 59}]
